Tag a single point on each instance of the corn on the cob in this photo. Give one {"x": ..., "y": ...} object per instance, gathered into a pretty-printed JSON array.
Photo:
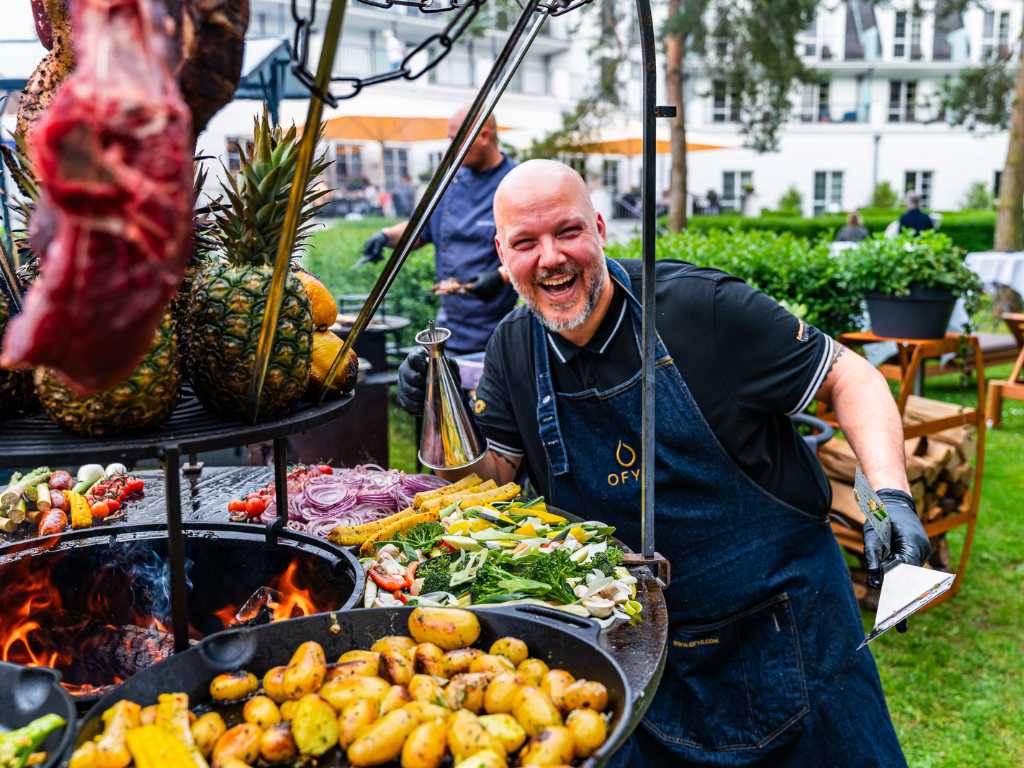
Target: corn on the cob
[
  {"x": 459, "y": 485},
  {"x": 155, "y": 747},
  {"x": 394, "y": 529},
  {"x": 440, "y": 502},
  {"x": 81, "y": 514},
  {"x": 347, "y": 535},
  {"x": 506, "y": 492}
]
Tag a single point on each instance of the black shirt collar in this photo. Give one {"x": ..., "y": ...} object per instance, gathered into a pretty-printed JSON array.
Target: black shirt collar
[{"x": 611, "y": 324}]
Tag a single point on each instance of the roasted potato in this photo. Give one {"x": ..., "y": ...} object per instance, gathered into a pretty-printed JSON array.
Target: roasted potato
[
  {"x": 287, "y": 709},
  {"x": 466, "y": 691},
  {"x": 396, "y": 698},
  {"x": 354, "y": 719},
  {"x": 111, "y": 747},
  {"x": 314, "y": 725},
  {"x": 393, "y": 642},
  {"x": 552, "y": 746},
  {"x": 447, "y": 628},
  {"x": 429, "y": 659},
  {"x": 554, "y": 684},
  {"x": 84, "y": 756},
  {"x": 241, "y": 742},
  {"x": 505, "y": 729},
  {"x": 277, "y": 745},
  {"x": 425, "y": 688},
  {"x": 396, "y": 666},
  {"x": 459, "y": 660},
  {"x": 306, "y": 671},
  {"x": 355, "y": 668},
  {"x": 501, "y": 693},
  {"x": 512, "y": 648},
  {"x": 261, "y": 710},
  {"x": 357, "y": 655},
  {"x": 233, "y": 686},
  {"x": 491, "y": 664},
  {"x": 532, "y": 671},
  {"x": 344, "y": 690},
  {"x": 485, "y": 758},
  {"x": 426, "y": 746},
  {"x": 233, "y": 762},
  {"x": 273, "y": 684},
  {"x": 588, "y": 730},
  {"x": 147, "y": 716},
  {"x": 383, "y": 740},
  {"x": 586, "y": 693},
  {"x": 534, "y": 710},
  {"x": 425, "y": 710},
  {"x": 467, "y": 736},
  {"x": 206, "y": 731}
]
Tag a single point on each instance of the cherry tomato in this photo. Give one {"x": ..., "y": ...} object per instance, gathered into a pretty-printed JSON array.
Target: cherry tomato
[
  {"x": 114, "y": 504},
  {"x": 325, "y": 469},
  {"x": 255, "y": 507},
  {"x": 133, "y": 485},
  {"x": 236, "y": 505},
  {"x": 100, "y": 510}
]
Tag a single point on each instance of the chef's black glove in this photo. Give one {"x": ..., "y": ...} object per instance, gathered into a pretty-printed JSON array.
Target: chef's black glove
[
  {"x": 910, "y": 543},
  {"x": 412, "y": 380},
  {"x": 486, "y": 285},
  {"x": 373, "y": 249}
]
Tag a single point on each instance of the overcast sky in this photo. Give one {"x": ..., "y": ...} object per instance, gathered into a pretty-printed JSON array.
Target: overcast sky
[{"x": 18, "y": 21}]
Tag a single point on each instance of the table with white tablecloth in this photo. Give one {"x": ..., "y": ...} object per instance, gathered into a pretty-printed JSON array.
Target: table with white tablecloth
[{"x": 1004, "y": 268}]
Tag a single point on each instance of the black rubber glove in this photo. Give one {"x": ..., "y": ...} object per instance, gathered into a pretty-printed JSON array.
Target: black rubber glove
[
  {"x": 486, "y": 285},
  {"x": 910, "y": 543},
  {"x": 373, "y": 249},
  {"x": 412, "y": 380}
]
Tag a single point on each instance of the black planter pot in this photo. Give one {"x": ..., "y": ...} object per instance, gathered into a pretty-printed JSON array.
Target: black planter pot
[{"x": 922, "y": 314}]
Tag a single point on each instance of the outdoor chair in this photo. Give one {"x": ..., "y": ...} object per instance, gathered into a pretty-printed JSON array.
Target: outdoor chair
[{"x": 1011, "y": 388}]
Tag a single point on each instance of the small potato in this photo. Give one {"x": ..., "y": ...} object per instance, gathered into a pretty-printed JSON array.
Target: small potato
[
  {"x": 588, "y": 730},
  {"x": 459, "y": 660},
  {"x": 306, "y": 671},
  {"x": 396, "y": 698},
  {"x": 273, "y": 684},
  {"x": 485, "y": 758},
  {"x": 501, "y": 693},
  {"x": 287, "y": 709},
  {"x": 354, "y": 668},
  {"x": 147, "y": 716},
  {"x": 467, "y": 736},
  {"x": 512, "y": 648},
  {"x": 357, "y": 655},
  {"x": 491, "y": 664},
  {"x": 84, "y": 756},
  {"x": 425, "y": 688},
  {"x": 586, "y": 693},
  {"x": 554, "y": 684},
  {"x": 241, "y": 742},
  {"x": 425, "y": 710},
  {"x": 393, "y": 642},
  {"x": 448, "y": 628},
  {"x": 429, "y": 659},
  {"x": 426, "y": 746},
  {"x": 233, "y": 686},
  {"x": 552, "y": 746},
  {"x": 383, "y": 740},
  {"x": 396, "y": 666},
  {"x": 344, "y": 690},
  {"x": 261, "y": 710},
  {"x": 466, "y": 691},
  {"x": 233, "y": 762},
  {"x": 505, "y": 729},
  {"x": 277, "y": 745},
  {"x": 354, "y": 719},
  {"x": 206, "y": 731},
  {"x": 532, "y": 671},
  {"x": 314, "y": 725},
  {"x": 534, "y": 710}
]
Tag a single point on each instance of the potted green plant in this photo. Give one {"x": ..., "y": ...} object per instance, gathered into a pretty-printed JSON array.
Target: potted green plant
[{"x": 911, "y": 283}]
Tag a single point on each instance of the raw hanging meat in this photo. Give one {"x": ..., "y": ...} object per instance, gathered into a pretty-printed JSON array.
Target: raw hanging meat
[{"x": 113, "y": 153}]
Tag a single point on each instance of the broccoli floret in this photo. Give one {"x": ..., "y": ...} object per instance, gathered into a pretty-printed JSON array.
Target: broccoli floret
[
  {"x": 555, "y": 569},
  {"x": 436, "y": 574},
  {"x": 606, "y": 562}
]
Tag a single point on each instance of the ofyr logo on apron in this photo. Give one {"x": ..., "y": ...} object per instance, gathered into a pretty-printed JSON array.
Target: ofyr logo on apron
[{"x": 625, "y": 457}]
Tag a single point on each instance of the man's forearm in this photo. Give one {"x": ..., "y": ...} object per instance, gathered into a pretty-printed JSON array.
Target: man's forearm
[
  {"x": 491, "y": 466},
  {"x": 394, "y": 232}
]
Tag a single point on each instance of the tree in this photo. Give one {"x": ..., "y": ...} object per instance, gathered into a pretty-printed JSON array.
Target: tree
[
  {"x": 749, "y": 50},
  {"x": 883, "y": 196},
  {"x": 978, "y": 198}
]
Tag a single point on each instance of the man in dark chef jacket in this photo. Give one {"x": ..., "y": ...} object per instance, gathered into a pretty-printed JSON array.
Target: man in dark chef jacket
[
  {"x": 462, "y": 231},
  {"x": 763, "y": 667}
]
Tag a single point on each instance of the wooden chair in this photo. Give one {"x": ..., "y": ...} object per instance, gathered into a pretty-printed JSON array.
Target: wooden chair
[{"x": 1013, "y": 387}]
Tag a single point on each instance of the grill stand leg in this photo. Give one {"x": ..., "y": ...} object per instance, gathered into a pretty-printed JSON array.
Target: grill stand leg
[
  {"x": 176, "y": 548},
  {"x": 280, "y": 489}
]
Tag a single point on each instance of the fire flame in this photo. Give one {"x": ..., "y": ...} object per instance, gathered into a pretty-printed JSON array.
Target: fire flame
[
  {"x": 31, "y": 592},
  {"x": 294, "y": 601}
]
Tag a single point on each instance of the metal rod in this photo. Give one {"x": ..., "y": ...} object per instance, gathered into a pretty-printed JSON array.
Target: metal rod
[
  {"x": 649, "y": 331},
  {"x": 497, "y": 80},
  {"x": 176, "y": 548},
  {"x": 280, "y": 489},
  {"x": 307, "y": 148}
]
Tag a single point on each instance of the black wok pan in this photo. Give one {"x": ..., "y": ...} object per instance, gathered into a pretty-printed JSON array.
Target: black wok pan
[
  {"x": 27, "y": 693},
  {"x": 558, "y": 638}
]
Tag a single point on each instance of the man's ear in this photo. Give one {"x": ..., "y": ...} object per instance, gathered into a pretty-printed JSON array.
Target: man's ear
[
  {"x": 601, "y": 229},
  {"x": 501, "y": 253}
]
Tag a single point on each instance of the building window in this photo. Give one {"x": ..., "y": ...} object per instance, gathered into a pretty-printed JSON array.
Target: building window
[
  {"x": 237, "y": 147},
  {"x": 991, "y": 45},
  {"x": 610, "y": 175},
  {"x": 915, "y": 37},
  {"x": 348, "y": 163},
  {"x": 396, "y": 165},
  {"x": 899, "y": 36},
  {"x": 455, "y": 69},
  {"x": 725, "y": 106},
  {"x": 434, "y": 160},
  {"x": 578, "y": 164},
  {"x": 828, "y": 192},
  {"x": 919, "y": 183},
  {"x": 902, "y": 101},
  {"x": 814, "y": 103},
  {"x": 733, "y": 185},
  {"x": 807, "y": 41}
]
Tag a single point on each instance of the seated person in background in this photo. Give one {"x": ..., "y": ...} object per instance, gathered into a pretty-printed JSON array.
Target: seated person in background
[
  {"x": 915, "y": 219},
  {"x": 853, "y": 231}
]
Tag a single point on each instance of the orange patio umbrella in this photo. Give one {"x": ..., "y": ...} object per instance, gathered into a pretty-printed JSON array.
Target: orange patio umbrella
[
  {"x": 634, "y": 146},
  {"x": 388, "y": 129}
]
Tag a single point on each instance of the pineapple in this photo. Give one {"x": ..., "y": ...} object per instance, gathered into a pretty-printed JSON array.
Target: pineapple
[
  {"x": 142, "y": 402},
  {"x": 229, "y": 295}
]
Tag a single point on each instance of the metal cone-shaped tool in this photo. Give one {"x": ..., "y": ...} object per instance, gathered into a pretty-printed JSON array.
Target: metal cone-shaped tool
[{"x": 451, "y": 439}]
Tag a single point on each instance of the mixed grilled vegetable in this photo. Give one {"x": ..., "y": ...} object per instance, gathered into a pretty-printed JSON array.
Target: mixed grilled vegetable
[
  {"x": 51, "y": 500},
  {"x": 414, "y": 699},
  {"x": 18, "y": 748}
]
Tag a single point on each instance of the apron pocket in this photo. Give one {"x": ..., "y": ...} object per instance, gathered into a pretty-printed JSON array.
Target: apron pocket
[{"x": 733, "y": 685}]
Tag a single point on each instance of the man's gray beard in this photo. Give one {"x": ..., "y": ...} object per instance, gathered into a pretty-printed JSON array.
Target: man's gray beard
[{"x": 593, "y": 293}]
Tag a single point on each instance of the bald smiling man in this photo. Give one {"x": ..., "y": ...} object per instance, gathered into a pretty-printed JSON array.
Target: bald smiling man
[{"x": 763, "y": 667}]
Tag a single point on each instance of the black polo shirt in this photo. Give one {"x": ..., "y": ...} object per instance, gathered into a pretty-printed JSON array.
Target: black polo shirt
[{"x": 747, "y": 361}]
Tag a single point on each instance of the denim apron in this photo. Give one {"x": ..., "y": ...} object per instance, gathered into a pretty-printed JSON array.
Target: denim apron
[{"x": 763, "y": 667}]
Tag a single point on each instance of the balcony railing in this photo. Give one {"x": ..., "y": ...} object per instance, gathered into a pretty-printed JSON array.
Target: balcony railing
[{"x": 833, "y": 113}]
